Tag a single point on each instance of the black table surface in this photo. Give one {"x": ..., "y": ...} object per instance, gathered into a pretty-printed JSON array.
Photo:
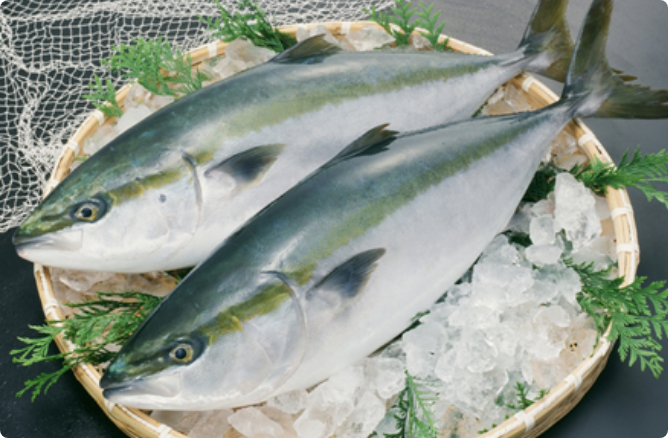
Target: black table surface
[{"x": 624, "y": 402}]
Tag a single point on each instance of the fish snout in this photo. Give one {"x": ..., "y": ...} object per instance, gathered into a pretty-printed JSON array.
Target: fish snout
[
  {"x": 140, "y": 392},
  {"x": 28, "y": 245}
]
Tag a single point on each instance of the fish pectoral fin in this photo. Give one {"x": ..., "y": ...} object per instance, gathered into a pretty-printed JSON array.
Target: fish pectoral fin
[
  {"x": 376, "y": 138},
  {"x": 311, "y": 47},
  {"x": 349, "y": 278},
  {"x": 248, "y": 167}
]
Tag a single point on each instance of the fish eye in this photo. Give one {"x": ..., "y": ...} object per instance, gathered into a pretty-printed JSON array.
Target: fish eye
[
  {"x": 182, "y": 353},
  {"x": 89, "y": 211}
]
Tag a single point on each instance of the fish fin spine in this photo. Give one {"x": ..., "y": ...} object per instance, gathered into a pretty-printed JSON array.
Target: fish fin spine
[
  {"x": 313, "y": 47},
  {"x": 249, "y": 166},
  {"x": 350, "y": 277},
  {"x": 372, "y": 138}
]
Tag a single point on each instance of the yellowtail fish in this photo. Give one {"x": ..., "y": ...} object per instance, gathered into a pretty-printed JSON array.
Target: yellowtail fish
[{"x": 338, "y": 265}]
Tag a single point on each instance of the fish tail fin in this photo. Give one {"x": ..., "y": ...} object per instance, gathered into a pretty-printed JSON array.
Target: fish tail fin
[
  {"x": 548, "y": 40},
  {"x": 595, "y": 89}
]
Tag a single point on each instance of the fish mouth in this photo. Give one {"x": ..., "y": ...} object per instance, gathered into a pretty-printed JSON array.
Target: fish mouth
[
  {"x": 26, "y": 243},
  {"x": 139, "y": 391}
]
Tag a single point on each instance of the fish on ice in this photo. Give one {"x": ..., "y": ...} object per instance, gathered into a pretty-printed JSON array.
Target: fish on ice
[{"x": 339, "y": 264}]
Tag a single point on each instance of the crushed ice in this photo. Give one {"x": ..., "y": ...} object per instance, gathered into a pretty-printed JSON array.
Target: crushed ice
[{"x": 513, "y": 318}]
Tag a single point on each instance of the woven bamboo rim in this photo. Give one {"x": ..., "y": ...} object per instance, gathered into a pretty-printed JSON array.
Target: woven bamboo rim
[{"x": 525, "y": 424}]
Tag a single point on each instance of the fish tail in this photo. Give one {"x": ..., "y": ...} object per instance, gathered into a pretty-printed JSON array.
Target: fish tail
[
  {"x": 595, "y": 89},
  {"x": 547, "y": 40}
]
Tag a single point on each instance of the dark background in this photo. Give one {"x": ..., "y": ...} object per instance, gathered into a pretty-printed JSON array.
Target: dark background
[{"x": 624, "y": 402}]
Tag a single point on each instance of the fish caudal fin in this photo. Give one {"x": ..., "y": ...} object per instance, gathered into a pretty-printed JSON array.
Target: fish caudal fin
[
  {"x": 595, "y": 89},
  {"x": 548, "y": 40}
]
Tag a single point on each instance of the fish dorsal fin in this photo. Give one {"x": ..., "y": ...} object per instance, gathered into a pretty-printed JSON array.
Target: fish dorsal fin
[
  {"x": 373, "y": 137},
  {"x": 247, "y": 167},
  {"x": 311, "y": 47},
  {"x": 349, "y": 278}
]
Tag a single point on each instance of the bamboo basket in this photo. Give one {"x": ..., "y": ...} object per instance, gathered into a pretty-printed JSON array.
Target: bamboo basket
[{"x": 525, "y": 424}]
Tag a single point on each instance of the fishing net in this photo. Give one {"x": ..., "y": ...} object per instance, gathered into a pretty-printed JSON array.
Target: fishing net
[{"x": 50, "y": 50}]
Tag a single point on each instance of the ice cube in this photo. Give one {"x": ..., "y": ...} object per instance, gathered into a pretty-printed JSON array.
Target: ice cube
[
  {"x": 369, "y": 38},
  {"x": 252, "y": 422},
  {"x": 419, "y": 362},
  {"x": 516, "y": 99},
  {"x": 157, "y": 102},
  {"x": 564, "y": 144},
  {"x": 541, "y": 255},
  {"x": 575, "y": 211},
  {"x": 541, "y": 230},
  {"x": 131, "y": 117},
  {"x": 242, "y": 50},
  {"x": 290, "y": 402},
  {"x": 97, "y": 141},
  {"x": 429, "y": 336},
  {"x": 368, "y": 412},
  {"x": 385, "y": 375},
  {"x": 497, "y": 285},
  {"x": 499, "y": 251},
  {"x": 418, "y": 42},
  {"x": 542, "y": 208},
  {"x": 307, "y": 426},
  {"x": 212, "y": 424}
]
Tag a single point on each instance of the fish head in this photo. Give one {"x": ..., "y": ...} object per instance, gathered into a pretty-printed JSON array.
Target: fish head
[
  {"x": 186, "y": 359},
  {"x": 113, "y": 214}
]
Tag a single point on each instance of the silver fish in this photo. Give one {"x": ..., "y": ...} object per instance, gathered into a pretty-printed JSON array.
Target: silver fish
[
  {"x": 163, "y": 194},
  {"x": 339, "y": 264}
]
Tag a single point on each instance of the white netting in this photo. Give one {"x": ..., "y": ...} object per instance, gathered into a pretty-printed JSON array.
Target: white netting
[{"x": 49, "y": 51}]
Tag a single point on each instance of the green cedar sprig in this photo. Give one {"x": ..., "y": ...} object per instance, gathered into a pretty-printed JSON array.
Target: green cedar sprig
[
  {"x": 105, "y": 93},
  {"x": 249, "y": 22},
  {"x": 430, "y": 24},
  {"x": 401, "y": 15},
  {"x": 641, "y": 172},
  {"x": 108, "y": 320},
  {"x": 413, "y": 415},
  {"x": 542, "y": 184},
  {"x": 522, "y": 395},
  {"x": 638, "y": 315},
  {"x": 523, "y": 401},
  {"x": 156, "y": 66}
]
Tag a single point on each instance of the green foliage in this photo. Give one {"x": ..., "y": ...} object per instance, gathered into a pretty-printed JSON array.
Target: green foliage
[
  {"x": 401, "y": 15},
  {"x": 104, "y": 93},
  {"x": 637, "y": 314},
  {"x": 522, "y": 401},
  {"x": 542, "y": 184},
  {"x": 641, "y": 172},
  {"x": 522, "y": 239},
  {"x": 433, "y": 29},
  {"x": 248, "y": 22},
  {"x": 522, "y": 395},
  {"x": 413, "y": 417},
  {"x": 108, "y": 320},
  {"x": 157, "y": 67}
]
